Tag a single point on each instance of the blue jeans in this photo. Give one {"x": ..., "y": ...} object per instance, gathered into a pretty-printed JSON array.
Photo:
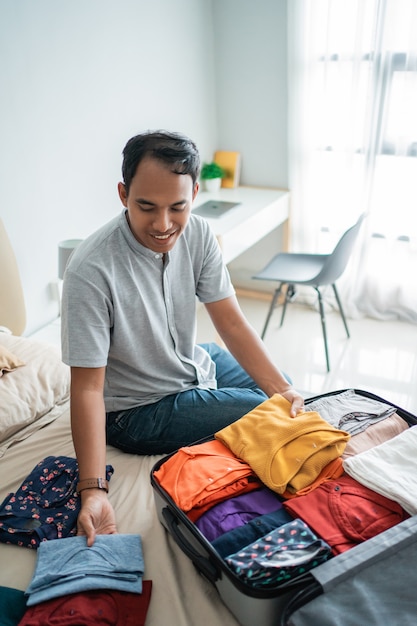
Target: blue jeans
[{"x": 183, "y": 418}]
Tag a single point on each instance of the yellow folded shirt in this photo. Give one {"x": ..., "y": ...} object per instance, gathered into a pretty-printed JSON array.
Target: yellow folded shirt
[{"x": 285, "y": 452}]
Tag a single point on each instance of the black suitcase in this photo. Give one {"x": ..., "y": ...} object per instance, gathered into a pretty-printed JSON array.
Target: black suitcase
[{"x": 289, "y": 604}]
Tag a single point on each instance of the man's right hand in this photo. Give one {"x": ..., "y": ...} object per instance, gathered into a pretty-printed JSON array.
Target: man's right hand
[{"x": 96, "y": 516}]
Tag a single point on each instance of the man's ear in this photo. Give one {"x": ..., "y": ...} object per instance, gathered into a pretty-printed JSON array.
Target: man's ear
[
  {"x": 195, "y": 190},
  {"x": 121, "y": 188}
]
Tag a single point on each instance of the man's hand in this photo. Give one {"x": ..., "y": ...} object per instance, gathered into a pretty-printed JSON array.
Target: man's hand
[
  {"x": 297, "y": 401},
  {"x": 96, "y": 516}
]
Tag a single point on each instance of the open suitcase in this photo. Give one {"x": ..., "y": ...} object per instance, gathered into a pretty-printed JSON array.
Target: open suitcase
[{"x": 371, "y": 583}]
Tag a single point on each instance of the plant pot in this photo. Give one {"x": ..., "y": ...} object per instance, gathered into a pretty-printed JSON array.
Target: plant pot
[{"x": 212, "y": 184}]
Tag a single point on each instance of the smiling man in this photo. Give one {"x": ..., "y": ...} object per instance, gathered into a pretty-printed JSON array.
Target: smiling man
[{"x": 138, "y": 379}]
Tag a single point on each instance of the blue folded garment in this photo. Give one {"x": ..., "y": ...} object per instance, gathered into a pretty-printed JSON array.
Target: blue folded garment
[{"x": 68, "y": 565}]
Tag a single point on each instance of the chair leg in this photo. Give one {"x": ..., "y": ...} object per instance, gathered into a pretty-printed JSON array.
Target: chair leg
[
  {"x": 271, "y": 308},
  {"x": 288, "y": 296},
  {"x": 323, "y": 326},
  {"x": 339, "y": 304}
]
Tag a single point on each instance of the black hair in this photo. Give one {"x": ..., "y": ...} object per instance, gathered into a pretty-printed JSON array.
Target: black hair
[{"x": 176, "y": 150}]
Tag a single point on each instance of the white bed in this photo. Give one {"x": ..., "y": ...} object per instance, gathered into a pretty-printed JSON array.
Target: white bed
[{"x": 34, "y": 424}]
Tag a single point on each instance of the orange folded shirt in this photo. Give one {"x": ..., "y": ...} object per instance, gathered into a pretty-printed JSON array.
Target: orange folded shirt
[{"x": 197, "y": 477}]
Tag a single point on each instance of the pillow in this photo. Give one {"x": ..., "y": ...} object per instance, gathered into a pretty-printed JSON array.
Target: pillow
[
  {"x": 29, "y": 393},
  {"x": 8, "y": 361}
]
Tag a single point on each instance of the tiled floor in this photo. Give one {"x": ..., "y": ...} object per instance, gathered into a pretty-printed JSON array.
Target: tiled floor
[{"x": 380, "y": 356}]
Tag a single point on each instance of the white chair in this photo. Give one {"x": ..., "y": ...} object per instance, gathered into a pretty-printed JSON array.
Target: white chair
[{"x": 315, "y": 270}]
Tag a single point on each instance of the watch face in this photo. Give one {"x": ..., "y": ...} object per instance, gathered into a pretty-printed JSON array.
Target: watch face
[{"x": 102, "y": 483}]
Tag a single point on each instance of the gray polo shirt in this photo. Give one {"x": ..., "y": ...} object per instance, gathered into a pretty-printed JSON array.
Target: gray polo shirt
[{"x": 124, "y": 308}]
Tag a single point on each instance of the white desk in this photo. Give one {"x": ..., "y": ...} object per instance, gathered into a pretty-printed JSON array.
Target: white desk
[{"x": 259, "y": 212}]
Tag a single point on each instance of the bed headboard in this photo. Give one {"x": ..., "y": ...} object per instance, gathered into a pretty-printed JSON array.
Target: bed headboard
[{"x": 12, "y": 302}]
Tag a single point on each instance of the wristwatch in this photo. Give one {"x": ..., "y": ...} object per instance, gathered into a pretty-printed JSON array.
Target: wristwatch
[{"x": 93, "y": 483}]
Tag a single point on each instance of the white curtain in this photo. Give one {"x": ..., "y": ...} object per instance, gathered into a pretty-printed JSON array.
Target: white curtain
[{"x": 353, "y": 144}]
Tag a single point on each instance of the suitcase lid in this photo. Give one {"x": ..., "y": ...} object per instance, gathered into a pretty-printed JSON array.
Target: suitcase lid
[{"x": 373, "y": 583}]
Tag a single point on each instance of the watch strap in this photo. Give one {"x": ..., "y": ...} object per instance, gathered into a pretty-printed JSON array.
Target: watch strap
[{"x": 92, "y": 483}]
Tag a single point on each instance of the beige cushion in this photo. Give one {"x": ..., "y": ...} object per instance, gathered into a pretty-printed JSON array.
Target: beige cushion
[
  {"x": 29, "y": 393},
  {"x": 12, "y": 301},
  {"x": 8, "y": 360}
]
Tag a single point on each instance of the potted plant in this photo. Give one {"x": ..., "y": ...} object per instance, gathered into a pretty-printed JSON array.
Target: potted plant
[{"x": 211, "y": 175}]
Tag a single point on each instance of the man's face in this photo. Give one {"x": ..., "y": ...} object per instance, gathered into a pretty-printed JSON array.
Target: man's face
[{"x": 158, "y": 205}]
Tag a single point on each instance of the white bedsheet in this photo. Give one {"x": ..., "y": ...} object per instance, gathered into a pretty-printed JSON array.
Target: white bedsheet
[{"x": 180, "y": 596}]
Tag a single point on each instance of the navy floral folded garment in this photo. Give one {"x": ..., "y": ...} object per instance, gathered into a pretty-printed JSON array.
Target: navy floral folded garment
[
  {"x": 45, "y": 506},
  {"x": 283, "y": 554}
]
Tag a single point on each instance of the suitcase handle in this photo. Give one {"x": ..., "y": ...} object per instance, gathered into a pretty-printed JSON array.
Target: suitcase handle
[{"x": 203, "y": 565}]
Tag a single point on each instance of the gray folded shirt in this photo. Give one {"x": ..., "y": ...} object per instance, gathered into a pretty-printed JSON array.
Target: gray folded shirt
[{"x": 350, "y": 411}]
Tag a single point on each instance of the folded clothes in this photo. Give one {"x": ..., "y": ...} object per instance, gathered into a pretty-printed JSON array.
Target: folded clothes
[
  {"x": 286, "y": 453},
  {"x": 12, "y": 606},
  {"x": 390, "y": 469},
  {"x": 375, "y": 434},
  {"x": 197, "y": 477},
  {"x": 345, "y": 513},
  {"x": 45, "y": 506},
  {"x": 242, "y": 536},
  {"x": 351, "y": 411},
  {"x": 92, "y": 608},
  {"x": 237, "y": 511},
  {"x": 68, "y": 565},
  {"x": 283, "y": 554}
]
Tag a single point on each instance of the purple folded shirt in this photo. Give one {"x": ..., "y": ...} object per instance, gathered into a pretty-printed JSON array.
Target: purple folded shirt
[{"x": 237, "y": 511}]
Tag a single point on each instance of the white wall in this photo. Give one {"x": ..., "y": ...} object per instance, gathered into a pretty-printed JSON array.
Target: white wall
[
  {"x": 78, "y": 79},
  {"x": 251, "y": 77}
]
